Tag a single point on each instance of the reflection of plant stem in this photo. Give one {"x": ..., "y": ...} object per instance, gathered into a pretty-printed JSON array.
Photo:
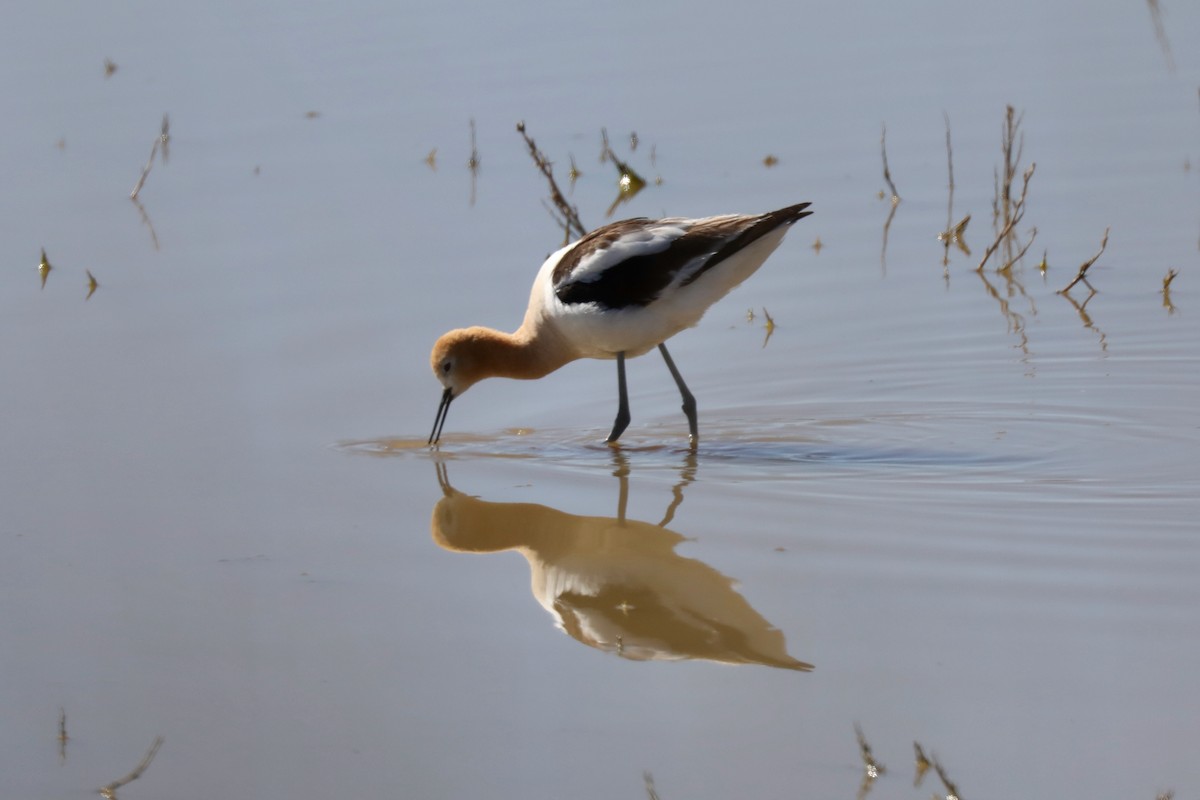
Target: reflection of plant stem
[
  {"x": 1081, "y": 309},
  {"x": 110, "y": 791},
  {"x": 887, "y": 224},
  {"x": 146, "y": 220},
  {"x": 1016, "y": 322},
  {"x": 770, "y": 326}
]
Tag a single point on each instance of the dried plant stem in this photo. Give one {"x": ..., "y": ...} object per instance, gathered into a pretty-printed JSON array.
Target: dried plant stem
[
  {"x": 922, "y": 763},
  {"x": 951, "y": 789},
  {"x": 568, "y": 215},
  {"x": 950, "y": 200},
  {"x": 473, "y": 164},
  {"x": 1083, "y": 268},
  {"x": 1015, "y": 213},
  {"x": 146, "y": 169},
  {"x": 1160, "y": 33},
  {"x": 887, "y": 173},
  {"x": 1011, "y": 138},
  {"x": 164, "y": 136},
  {"x": 648, "y": 779},
  {"x": 1021, "y": 253},
  {"x": 873, "y": 767},
  {"x": 63, "y": 738},
  {"x": 110, "y": 791}
]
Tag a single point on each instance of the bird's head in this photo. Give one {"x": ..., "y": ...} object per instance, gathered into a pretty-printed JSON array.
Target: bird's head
[{"x": 458, "y": 365}]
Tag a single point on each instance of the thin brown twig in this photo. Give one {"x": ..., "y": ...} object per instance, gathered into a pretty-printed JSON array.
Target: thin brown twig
[
  {"x": 63, "y": 738},
  {"x": 923, "y": 763},
  {"x": 953, "y": 233},
  {"x": 1160, "y": 32},
  {"x": 951, "y": 789},
  {"x": 950, "y": 200},
  {"x": 473, "y": 164},
  {"x": 887, "y": 173},
  {"x": 1166, "y": 290},
  {"x": 569, "y": 214},
  {"x": 1017, "y": 212},
  {"x": 1083, "y": 268},
  {"x": 146, "y": 169},
  {"x": 110, "y": 791},
  {"x": 873, "y": 768},
  {"x": 1021, "y": 253},
  {"x": 1011, "y": 137},
  {"x": 648, "y": 779},
  {"x": 164, "y": 136}
]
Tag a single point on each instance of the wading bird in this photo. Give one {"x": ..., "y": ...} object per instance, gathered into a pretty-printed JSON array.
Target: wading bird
[{"x": 616, "y": 293}]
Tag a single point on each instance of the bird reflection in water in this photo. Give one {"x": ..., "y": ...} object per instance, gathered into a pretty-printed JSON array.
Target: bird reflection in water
[{"x": 617, "y": 584}]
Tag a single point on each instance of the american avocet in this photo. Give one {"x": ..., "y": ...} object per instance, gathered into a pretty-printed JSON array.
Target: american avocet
[{"x": 617, "y": 292}]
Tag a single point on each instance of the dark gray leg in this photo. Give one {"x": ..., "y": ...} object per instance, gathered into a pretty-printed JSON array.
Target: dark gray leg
[
  {"x": 689, "y": 402},
  {"x": 622, "y": 420}
]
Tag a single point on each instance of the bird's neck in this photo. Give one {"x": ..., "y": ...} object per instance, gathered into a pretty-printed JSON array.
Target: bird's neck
[{"x": 531, "y": 352}]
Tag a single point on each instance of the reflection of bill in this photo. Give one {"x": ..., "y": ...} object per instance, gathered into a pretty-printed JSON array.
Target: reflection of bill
[{"x": 616, "y": 584}]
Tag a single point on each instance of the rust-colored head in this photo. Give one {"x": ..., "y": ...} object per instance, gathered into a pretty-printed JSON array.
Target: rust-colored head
[{"x": 459, "y": 361}]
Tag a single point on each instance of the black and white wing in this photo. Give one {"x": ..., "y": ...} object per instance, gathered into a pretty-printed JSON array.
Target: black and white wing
[{"x": 632, "y": 262}]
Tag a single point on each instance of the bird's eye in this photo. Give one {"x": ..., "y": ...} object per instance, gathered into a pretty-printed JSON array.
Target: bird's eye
[{"x": 446, "y": 367}]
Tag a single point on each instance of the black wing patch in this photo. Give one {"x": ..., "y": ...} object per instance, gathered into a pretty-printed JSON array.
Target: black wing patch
[{"x": 639, "y": 280}]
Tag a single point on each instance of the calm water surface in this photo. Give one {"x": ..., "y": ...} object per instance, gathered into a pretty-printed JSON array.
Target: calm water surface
[{"x": 948, "y": 506}]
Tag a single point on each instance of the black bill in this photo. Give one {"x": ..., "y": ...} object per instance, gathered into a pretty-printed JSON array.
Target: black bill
[{"x": 440, "y": 419}]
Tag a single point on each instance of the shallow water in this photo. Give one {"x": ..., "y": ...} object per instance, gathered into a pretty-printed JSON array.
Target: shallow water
[{"x": 949, "y": 506}]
